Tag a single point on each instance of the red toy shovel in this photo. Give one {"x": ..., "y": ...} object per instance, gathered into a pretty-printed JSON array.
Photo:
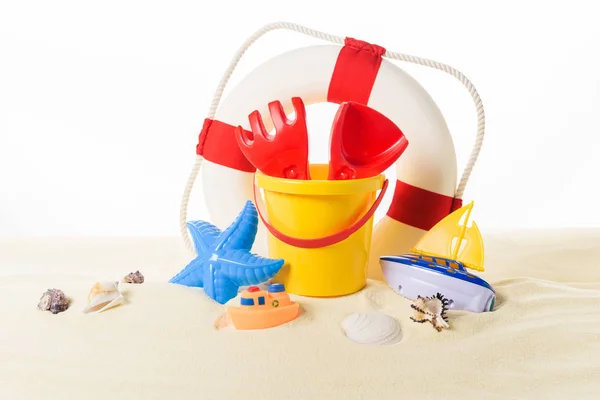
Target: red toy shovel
[
  {"x": 283, "y": 155},
  {"x": 364, "y": 143}
]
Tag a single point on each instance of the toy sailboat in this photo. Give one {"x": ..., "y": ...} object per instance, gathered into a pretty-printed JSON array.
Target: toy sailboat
[{"x": 439, "y": 263}]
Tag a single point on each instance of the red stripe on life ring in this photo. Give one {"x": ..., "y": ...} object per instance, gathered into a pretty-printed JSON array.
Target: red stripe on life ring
[
  {"x": 220, "y": 147},
  {"x": 419, "y": 207},
  {"x": 355, "y": 71}
]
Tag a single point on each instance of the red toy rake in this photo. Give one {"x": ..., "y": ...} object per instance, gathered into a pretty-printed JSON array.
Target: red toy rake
[{"x": 283, "y": 155}]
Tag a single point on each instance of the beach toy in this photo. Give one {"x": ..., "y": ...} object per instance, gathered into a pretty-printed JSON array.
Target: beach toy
[
  {"x": 224, "y": 262},
  {"x": 326, "y": 255},
  {"x": 350, "y": 70},
  {"x": 439, "y": 262},
  {"x": 363, "y": 143},
  {"x": 261, "y": 310},
  {"x": 284, "y": 155},
  {"x": 321, "y": 228}
]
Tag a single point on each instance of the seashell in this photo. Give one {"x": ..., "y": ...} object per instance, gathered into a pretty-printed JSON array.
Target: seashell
[
  {"x": 373, "y": 328},
  {"x": 102, "y": 296},
  {"x": 431, "y": 309},
  {"x": 53, "y": 300},
  {"x": 134, "y": 277}
]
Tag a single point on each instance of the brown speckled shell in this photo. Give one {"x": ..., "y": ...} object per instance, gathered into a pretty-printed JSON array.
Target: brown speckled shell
[
  {"x": 134, "y": 277},
  {"x": 53, "y": 300}
]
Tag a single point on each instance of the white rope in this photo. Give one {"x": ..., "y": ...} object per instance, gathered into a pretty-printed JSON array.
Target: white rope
[
  {"x": 478, "y": 105},
  {"x": 339, "y": 40},
  {"x": 184, "y": 204}
]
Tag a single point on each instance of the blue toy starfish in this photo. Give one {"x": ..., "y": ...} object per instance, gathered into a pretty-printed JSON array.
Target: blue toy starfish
[{"x": 224, "y": 262}]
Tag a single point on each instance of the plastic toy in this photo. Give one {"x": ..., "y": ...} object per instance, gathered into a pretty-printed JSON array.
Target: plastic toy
[
  {"x": 261, "y": 310},
  {"x": 363, "y": 143},
  {"x": 439, "y": 262},
  {"x": 321, "y": 228},
  {"x": 286, "y": 154},
  {"x": 224, "y": 262},
  {"x": 349, "y": 70}
]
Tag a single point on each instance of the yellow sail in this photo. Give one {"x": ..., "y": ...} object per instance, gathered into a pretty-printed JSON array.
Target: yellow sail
[{"x": 452, "y": 238}]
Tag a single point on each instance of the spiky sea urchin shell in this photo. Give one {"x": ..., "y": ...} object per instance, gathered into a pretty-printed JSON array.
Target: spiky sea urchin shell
[
  {"x": 431, "y": 309},
  {"x": 134, "y": 277},
  {"x": 53, "y": 300}
]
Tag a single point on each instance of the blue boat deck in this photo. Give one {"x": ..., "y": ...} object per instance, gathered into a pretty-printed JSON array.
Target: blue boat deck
[{"x": 441, "y": 265}]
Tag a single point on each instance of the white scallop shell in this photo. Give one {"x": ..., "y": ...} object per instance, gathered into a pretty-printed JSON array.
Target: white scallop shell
[
  {"x": 102, "y": 296},
  {"x": 372, "y": 328}
]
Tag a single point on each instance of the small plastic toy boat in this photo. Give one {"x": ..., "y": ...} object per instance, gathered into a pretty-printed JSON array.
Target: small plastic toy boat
[
  {"x": 439, "y": 263},
  {"x": 261, "y": 310}
]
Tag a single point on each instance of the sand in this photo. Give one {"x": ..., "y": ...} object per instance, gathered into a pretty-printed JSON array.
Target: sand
[{"x": 543, "y": 340}]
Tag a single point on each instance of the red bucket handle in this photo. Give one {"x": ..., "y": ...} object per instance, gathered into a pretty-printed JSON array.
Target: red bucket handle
[{"x": 325, "y": 240}]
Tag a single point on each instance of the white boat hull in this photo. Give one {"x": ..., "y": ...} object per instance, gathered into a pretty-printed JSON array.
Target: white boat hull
[{"x": 411, "y": 281}]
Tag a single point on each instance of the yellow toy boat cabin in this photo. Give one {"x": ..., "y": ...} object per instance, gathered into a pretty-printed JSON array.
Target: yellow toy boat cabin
[{"x": 261, "y": 310}]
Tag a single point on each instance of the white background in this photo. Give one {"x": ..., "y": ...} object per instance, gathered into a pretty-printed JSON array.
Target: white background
[{"x": 101, "y": 102}]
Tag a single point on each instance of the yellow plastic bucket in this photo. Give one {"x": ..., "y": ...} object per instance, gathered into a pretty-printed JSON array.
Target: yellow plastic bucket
[{"x": 322, "y": 229}]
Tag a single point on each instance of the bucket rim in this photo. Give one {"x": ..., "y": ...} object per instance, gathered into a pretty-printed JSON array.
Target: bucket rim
[{"x": 319, "y": 186}]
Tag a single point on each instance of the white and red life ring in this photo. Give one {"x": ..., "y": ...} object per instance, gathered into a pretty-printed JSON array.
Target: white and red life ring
[{"x": 426, "y": 173}]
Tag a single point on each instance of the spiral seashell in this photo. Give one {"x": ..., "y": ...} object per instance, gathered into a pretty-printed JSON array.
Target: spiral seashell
[
  {"x": 102, "y": 296},
  {"x": 431, "y": 309}
]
